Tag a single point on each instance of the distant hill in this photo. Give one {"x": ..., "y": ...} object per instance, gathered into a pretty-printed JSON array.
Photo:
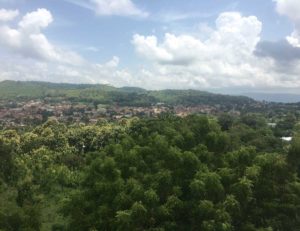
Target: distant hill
[
  {"x": 133, "y": 89},
  {"x": 274, "y": 97},
  {"x": 32, "y": 89},
  {"x": 105, "y": 94}
]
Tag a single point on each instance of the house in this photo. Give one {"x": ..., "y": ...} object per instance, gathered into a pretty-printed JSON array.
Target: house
[
  {"x": 272, "y": 125},
  {"x": 287, "y": 139}
]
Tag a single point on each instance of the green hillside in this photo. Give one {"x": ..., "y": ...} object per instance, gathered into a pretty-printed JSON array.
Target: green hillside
[
  {"x": 129, "y": 96},
  {"x": 17, "y": 89}
]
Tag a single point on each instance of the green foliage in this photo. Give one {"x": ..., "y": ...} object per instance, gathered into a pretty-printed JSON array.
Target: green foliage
[{"x": 169, "y": 173}]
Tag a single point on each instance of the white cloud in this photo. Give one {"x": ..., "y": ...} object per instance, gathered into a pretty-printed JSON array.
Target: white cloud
[
  {"x": 27, "y": 54},
  {"x": 114, "y": 62},
  {"x": 148, "y": 47},
  {"x": 291, "y": 9},
  {"x": 173, "y": 16},
  {"x": 34, "y": 21},
  {"x": 92, "y": 49},
  {"x": 8, "y": 15},
  {"x": 28, "y": 40},
  {"x": 111, "y": 7},
  {"x": 117, "y": 7},
  {"x": 225, "y": 59},
  {"x": 106, "y": 73},
  {"x": 235, "y": 35}
]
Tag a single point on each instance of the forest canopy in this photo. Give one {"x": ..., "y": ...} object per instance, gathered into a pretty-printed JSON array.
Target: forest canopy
[{"x": 166, "y": 173}]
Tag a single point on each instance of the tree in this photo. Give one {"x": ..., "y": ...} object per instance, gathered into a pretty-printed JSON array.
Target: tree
[{"x": 9, "y": 145}]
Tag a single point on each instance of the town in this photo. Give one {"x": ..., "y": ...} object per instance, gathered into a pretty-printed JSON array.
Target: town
[{"x": 22, "y": 113}]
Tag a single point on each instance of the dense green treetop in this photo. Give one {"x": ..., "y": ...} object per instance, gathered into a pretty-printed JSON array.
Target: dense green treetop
[{"x": 168, "y": 173}]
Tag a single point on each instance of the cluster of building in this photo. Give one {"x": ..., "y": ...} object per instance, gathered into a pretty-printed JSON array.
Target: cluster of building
[
  {"x": 37, "y": 111},
  {"x": 183, "y": 111}
]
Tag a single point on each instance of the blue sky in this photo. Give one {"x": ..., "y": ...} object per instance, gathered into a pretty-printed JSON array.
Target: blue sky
[{"x": 211, "y": 45}]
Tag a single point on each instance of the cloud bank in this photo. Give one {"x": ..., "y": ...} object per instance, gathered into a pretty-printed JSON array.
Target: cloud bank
[
  {"x": 28, "y": 40},
  {"x": 27, "y": 54},
  {"x": 225, "y": 59},
  {"x": 230, "y": 54}
]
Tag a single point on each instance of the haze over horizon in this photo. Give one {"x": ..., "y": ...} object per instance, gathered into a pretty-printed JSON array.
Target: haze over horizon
[{"x": 225, "y": 46}]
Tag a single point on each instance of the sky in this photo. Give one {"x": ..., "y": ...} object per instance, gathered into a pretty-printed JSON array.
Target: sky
[{"x": 215, "y": 45}]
